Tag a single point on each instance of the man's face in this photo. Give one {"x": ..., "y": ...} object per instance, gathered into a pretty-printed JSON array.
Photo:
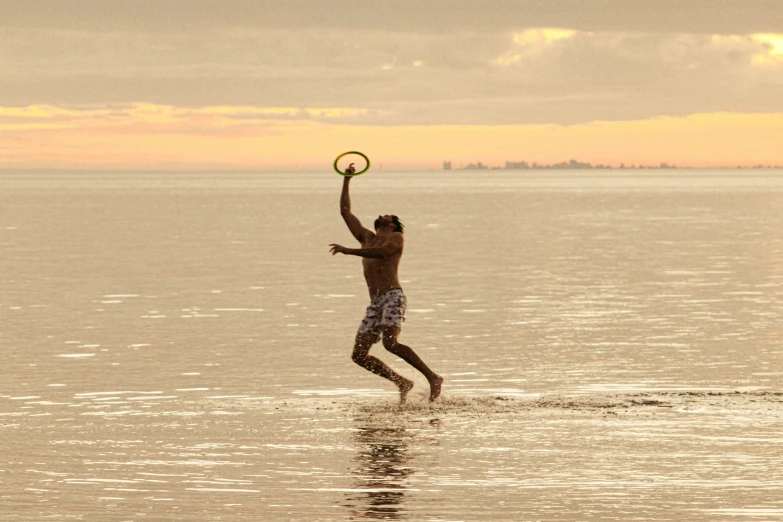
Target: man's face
[{"x": 383, "y": 222}]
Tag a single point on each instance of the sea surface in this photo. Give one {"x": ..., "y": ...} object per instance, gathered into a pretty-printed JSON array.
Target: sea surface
[{"x": 177, "y": 347}]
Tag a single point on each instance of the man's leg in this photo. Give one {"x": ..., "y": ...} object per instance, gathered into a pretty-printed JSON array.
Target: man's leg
[
  {"x": 361, "y": 357},
  {"x": 390, "y": 334}
]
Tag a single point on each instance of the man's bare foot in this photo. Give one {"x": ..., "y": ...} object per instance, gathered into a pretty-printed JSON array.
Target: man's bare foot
[
  {"x": 405, "y": 386},
  {"x": 435, "y": 387}
]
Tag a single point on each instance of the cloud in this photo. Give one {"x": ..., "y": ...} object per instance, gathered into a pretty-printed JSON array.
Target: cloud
[
  {"x": 406, "y": 16},
  {"x": 547, "y": 74},
  {"x": 542, "y": 37},
  {"x": 531, "y": 42},
  {"x": 772, "y": 55},
  {"x": 152, "y": 119}
]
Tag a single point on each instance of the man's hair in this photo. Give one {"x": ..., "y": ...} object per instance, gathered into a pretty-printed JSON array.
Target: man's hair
[{"x": 398, "y": 226}]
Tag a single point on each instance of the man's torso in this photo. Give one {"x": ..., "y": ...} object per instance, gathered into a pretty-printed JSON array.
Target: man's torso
[{"x": 380, "y": 274}]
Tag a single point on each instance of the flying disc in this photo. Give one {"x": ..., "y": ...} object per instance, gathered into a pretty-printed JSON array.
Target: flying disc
[{"x": 366, "y": 168}]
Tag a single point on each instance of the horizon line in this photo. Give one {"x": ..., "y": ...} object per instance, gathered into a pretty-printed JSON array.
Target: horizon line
[{"x": 261, "y": 170}]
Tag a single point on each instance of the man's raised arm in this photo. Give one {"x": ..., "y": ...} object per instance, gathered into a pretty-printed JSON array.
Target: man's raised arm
[{"x": 354, "y": 225}]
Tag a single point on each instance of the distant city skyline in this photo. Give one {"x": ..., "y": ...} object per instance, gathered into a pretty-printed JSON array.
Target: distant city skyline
[{"x": 583, "y": 165}]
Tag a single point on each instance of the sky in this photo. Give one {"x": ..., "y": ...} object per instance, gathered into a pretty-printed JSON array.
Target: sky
[{"x": 289, "y": 85}]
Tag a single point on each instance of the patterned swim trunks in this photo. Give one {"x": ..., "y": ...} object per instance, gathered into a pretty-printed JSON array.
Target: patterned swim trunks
[{"x": 385, "y": 310}]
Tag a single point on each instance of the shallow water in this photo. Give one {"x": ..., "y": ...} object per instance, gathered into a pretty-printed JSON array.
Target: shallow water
[{"x": 176, "y": 347}]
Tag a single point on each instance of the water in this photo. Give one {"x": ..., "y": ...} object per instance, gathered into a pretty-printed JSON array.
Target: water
[{"x": 177, "y": 347}]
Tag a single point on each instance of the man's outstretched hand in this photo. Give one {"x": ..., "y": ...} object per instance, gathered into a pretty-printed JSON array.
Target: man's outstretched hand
[{"x": 338, "y": 249}]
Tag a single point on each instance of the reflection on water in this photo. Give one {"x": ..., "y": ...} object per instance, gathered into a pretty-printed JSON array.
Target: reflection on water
[
  {"x": 178, "y": 348},
  {"x": 382, "y": 469}
]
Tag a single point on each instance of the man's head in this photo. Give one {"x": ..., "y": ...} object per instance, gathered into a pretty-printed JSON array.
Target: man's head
[{"x": 389, "y": 222}]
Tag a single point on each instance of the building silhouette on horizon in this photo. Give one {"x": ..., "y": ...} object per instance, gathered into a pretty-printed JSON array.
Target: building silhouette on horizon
[{"x": 571, "y": 164}]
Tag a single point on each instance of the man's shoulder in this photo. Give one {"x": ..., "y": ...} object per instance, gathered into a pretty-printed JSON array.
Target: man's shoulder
[{"x": 398, "y": 240}]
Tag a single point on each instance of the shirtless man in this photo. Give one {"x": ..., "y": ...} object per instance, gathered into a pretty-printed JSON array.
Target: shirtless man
[{"x": 381, "y": 252}]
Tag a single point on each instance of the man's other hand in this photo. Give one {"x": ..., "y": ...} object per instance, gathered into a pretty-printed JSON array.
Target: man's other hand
[{"x": 338, "y": 249}]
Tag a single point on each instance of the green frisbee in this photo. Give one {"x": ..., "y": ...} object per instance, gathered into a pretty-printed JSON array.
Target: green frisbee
[{"x": 355, "y": 173}]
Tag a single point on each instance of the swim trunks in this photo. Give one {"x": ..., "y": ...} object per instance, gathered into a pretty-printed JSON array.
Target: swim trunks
[{"x": 385, "y": 310}]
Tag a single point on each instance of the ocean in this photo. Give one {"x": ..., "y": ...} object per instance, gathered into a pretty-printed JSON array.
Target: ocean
[{"x": 176, "y": 346}]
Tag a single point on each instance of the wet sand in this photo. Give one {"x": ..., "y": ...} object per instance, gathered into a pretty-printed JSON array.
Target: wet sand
[{"x": 178, "y": 348}]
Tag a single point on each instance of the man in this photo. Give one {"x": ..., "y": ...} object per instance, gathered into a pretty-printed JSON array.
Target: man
[{"x": 381, "y": 252}]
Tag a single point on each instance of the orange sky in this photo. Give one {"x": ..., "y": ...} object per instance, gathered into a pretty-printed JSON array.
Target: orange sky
[{"x": 146, "y": 136}]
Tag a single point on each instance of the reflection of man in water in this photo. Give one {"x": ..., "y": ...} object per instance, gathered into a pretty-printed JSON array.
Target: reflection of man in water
[
  {"x": 383, "y": 469},
  {"x": 381, "y": 252}
]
